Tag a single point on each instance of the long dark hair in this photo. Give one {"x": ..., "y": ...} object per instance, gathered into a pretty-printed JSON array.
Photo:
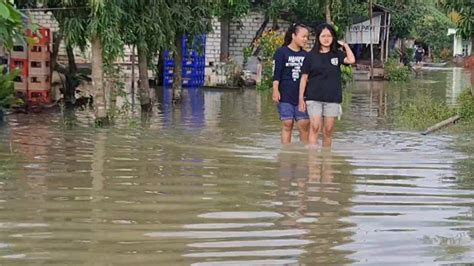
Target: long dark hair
[
  {"x": 293, "y": 29},
  {"x": 317, "y": 45}
]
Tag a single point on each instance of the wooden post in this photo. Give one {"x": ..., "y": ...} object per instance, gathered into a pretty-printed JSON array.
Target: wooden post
[
  {"x": 441, "y": 124},
  {"x": 133, "y": 75},
  {"x": 388, "y": 38},
  {"x": 371, "y": 44},
  {"x": 225, "y": 29},
  {"x": 382, "y": 39}
]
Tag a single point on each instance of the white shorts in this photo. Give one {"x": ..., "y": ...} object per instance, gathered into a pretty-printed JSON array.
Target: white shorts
[{"x": 325, "y": 109}]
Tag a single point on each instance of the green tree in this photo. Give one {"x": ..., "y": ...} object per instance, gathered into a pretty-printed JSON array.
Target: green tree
[
  {"x": 465, "y": 20},
  {"x": 188, "y": 18},
  {"x": 94, "y": 23},
  {"x": 11, "y": 25},
  {"x": 431, "y": 29},
  {"x": 11, "y": 30},
  {"x": 146, "y": 25},
  {"x": 72, "y": 20}
]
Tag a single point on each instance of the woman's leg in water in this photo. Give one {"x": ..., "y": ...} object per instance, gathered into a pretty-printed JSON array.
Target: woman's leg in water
[
  {"x": 303, "y": 127},
  {"x": 315, "y": 127},
  {"x": 286, "y": 130},
  {"x": 328, "y": 131}
]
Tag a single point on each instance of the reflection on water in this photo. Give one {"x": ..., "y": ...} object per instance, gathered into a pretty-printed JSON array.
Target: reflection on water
[{"x": 207, "y": 183}]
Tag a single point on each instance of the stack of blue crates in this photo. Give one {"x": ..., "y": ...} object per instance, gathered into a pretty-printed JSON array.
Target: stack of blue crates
[{"x": 193, "y": 64}]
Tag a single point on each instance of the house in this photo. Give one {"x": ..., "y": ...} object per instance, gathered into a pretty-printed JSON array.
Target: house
[{"x": 460, "y": 47}]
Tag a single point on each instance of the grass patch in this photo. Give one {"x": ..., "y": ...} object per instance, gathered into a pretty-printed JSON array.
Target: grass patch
[
  {"x": 424, "y": 111},
  {"x": 466, "y": 105},
  {"x": 421, "y": 112}
]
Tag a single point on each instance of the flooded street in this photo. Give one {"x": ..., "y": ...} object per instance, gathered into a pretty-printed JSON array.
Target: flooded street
[{"x": 208, "y": 183}]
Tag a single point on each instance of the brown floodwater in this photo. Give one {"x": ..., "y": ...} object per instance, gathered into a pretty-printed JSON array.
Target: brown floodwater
[{"x": 207, "y": 183}]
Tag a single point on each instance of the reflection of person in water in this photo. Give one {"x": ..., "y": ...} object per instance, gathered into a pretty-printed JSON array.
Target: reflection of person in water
[{"x": 315, "y": 196}]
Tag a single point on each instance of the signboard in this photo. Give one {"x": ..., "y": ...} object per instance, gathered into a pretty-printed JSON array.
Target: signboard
[{"x": 360, "y": 32}]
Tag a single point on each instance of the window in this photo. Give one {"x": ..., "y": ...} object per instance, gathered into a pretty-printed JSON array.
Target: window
[
  {"x": 36, "y": 48},
  {"x": 35, "y": 64},
  {"x": 18, "y": 48}
]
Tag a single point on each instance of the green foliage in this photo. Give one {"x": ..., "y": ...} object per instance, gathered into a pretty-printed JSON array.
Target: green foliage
[
  {"x": 267, "y": 73},
  {"x": 269, "y": 43},
  {"x": 465, "y": 14},
  {"x": 431, "y": 28},
  {"x": 106, "y": 17},
  {"x": 310, "y": 13},
  {"x": 6, "y": 88},
  {"x": 396, "y": 72},
  {"x": 410, "y": 53},
  {"x": 146, "y": 24},
  {"x": 404, "y": 15},
  {"x": 11, "y": 25},
  {"x": 445, "y": 54},
  {"x": 190, "y": 18},
  {"x": 232, "y": 9},
  {"x": 247, "y": 54},
  {"x": 346, "y": 74},
  {"x": 466, "y": 105},
  {"x": 421, "y": 112}
]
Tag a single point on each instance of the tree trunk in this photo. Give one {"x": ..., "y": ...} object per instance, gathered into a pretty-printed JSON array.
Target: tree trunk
[
  {"x": 275, "y": 25},
  {"x": 133, "y": 76},
  {"x": 472, "y": 44},
  {"x": 100, "y": 107},
  {"x": 143, "y": 87},
  {"x": 71, "y": 80},
  {"x": 258, "y": 35},
  {"x": 225, "y": 34},
  {"x": 328, "y": 11},
  {"x": 177, "y": 72},
  {"x": 57, "y": 38},
  {"x": 161, "y": 68},
  {"x": 472, "y": 80}
]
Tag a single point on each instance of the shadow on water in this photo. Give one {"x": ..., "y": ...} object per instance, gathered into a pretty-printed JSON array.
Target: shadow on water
[{"x": 207, "y": 183}]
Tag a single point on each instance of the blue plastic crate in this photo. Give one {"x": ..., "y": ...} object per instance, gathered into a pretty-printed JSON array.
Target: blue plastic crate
[{"x": 193, "y": 63}]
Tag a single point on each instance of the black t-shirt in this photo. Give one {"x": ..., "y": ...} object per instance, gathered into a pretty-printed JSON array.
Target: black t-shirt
[
  {"x": 324, "y": 75},
  {"x": 288, "y": 72}
]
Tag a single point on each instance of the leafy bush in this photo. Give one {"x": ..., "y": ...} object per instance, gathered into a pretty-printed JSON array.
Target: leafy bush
[
  {"x": 346, "y": 74},
  {"x": 396, "y": 72},
  {"x": 269, "y": 43},
  {"x": 6, "y": 88},
  {"x": 466, "y": 105}
]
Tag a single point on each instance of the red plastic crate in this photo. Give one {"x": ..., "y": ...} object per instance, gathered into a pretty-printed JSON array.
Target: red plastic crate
[
  {"x": 39, "y": 68},
  {"x": 20, "y": 64},
  {"x": 43, "y": 37},
  {"x": 39, "y": 83},
  {"x": 39, "y": 97},
  {"x": 39, "y": 53},
  {"x": 20, "y": 83}
]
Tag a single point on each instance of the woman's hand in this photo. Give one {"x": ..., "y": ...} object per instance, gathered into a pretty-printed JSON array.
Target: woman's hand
[
  {"x": 276, "y": 96},
  {"x": 342, "y": 43},
  {"x": 302, "y": 106}
]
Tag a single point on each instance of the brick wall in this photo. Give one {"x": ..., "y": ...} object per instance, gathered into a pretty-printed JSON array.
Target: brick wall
[
  {"x": 243, "y": 32},
  {"x": 45, "y": 19},
  {"x": 213, "y": 43}
]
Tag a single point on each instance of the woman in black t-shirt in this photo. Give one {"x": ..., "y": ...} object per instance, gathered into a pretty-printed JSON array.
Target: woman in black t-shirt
[
  {"x": 286, "y": 80},
  {"x": 321, "y": 84}
]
